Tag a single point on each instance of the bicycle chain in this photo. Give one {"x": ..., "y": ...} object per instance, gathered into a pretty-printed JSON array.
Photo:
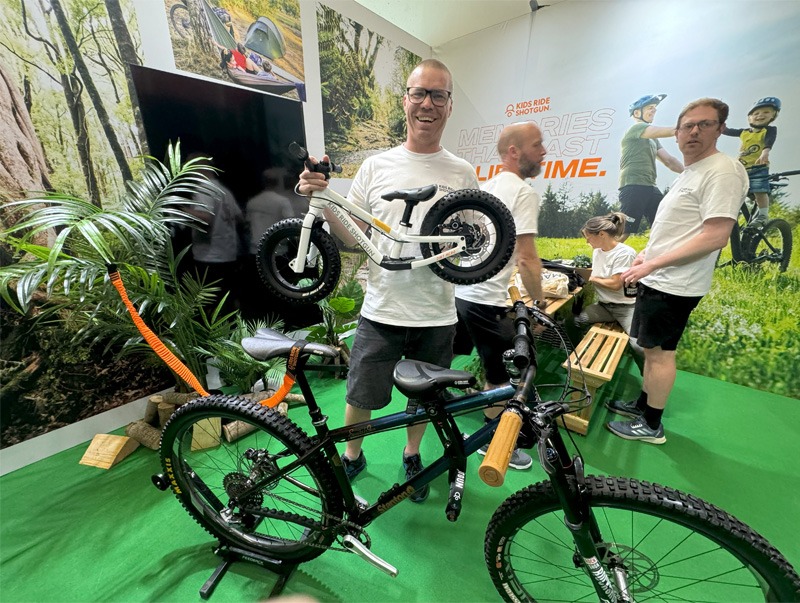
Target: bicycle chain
[{"x": 341, "y": 522}]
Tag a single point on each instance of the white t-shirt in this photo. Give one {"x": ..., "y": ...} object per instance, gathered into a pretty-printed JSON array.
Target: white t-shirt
[
  {"x": 408, "y": 298},
  {"x": 713, "y": 187},
  {"x": 606, "y": 264},
  {"x": 523, "y": 202}
]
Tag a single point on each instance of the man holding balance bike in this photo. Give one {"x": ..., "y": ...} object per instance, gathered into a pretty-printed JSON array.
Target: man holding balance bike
[{"x": 406, "y": 313}]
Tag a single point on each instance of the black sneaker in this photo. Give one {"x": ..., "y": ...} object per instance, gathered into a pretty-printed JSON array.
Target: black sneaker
[
  {"x": 353, "y": 468},
  {"x": 413, "y": 465},
  {"x": 626, "y": 409}
]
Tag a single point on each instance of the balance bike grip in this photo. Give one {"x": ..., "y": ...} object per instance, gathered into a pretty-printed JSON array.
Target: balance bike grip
[
  {"x": 495, "y": 464},
  {"x": 514, "y": 294}
]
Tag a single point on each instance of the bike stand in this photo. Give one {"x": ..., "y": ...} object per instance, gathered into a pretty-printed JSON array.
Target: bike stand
[{"x": 231, "y": 554}]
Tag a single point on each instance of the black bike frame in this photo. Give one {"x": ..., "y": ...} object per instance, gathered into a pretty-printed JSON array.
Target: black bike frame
[{"x": 457, "y": 448}]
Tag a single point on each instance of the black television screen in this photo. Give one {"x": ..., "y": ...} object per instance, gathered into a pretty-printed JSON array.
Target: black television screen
[{"x": 245, "y": 132}]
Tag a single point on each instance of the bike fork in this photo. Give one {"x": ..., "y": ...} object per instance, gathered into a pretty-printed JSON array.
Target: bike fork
[{"x": 299, "y": 263}]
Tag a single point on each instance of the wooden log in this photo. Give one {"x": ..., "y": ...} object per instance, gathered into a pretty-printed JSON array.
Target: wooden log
[
  {"x": 144, "y": 433},
  {"x": 237, "y": 429},
  {"x": 151, "y": 411},
  {"x": 206, "y": 433},
  {"x": 165, "y": 411}
]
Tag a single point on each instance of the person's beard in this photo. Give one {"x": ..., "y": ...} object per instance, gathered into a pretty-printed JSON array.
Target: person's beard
[{"x": 529, "y": 169}]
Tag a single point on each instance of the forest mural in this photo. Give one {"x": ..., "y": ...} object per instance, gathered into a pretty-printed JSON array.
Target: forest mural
[
  {"x": 65, "y": 73},
  {"x": 363, "y": 81}
]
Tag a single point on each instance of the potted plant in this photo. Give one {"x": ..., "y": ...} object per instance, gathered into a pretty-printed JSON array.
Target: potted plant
[
  {"x": 583, "y": 266},
  {"x": 71, "y": 275},
  {"x": 340, "y": 313}
]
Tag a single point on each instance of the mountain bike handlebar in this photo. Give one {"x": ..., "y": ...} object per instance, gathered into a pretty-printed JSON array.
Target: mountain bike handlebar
[{"x": 781, "y": 175}]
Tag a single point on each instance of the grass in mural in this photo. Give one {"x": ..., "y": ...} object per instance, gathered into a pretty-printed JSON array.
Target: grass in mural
[{"x": 745, "y": 331}]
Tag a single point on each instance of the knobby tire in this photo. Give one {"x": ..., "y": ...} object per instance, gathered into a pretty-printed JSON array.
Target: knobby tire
[
  {"x": 283, "y": 519},
  {"x": 278, "y": 246},
  {"x": 675, "y": 547},
  {"x": 488, "y": 227}
]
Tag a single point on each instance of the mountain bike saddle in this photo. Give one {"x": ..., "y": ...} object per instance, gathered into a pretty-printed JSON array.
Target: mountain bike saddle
[
  {"x": 415, "y": 379},
  {"x": 271, "y": 344}
]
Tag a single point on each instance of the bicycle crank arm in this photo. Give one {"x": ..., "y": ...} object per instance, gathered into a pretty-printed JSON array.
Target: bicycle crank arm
[{"x": 355, "y": 546}]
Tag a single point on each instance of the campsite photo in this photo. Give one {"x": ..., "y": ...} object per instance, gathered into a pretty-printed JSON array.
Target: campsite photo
[{"x": 255, "y": 44}]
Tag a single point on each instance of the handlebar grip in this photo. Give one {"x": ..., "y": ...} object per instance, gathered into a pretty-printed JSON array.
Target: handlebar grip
[
  {"x": 514, "y": 293},
  {"x": 495, "y": 464}
]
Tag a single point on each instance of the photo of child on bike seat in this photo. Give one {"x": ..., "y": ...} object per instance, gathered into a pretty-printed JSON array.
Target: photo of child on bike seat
[{"x": 756, "y": 143}]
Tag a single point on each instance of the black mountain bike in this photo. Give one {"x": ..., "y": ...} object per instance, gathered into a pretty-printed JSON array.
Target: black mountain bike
[
  {"x": 768, "y": 242},
  {"x": 275, "y": 495}
]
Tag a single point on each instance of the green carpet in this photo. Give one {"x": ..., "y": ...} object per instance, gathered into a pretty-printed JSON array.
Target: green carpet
[{"x": 76, "y": 533}]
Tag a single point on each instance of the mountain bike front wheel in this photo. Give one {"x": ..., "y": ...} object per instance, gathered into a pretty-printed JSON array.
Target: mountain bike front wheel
[
  {"x": 487, "y": 227},
  {"x": 278, "y": 248},
  {"x": 671, "y": 546},
  {"x": 213, "y": 449},
  {"x": 771, "y": 244}
]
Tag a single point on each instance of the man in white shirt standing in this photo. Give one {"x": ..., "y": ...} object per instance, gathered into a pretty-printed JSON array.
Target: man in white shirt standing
[
  {"x": 674, "y": 271},
  {"x": 406, "y": 313},
  {"x": 482, "y": 307}
]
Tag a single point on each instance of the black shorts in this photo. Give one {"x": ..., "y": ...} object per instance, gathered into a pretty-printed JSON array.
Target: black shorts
[
  {"x": 492, "y": 331},
  {"x": 637, "y": 201},
  {"x": 660, "y": 318},
  {"x": 378, "y": 347}
]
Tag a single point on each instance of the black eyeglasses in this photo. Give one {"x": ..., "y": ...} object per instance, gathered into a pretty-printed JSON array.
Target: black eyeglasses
[
  {"x": 704, "y": 125},
  {"x": 438, "y": 97}
]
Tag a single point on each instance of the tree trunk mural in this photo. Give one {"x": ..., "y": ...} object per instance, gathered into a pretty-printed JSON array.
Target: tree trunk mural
[
  {"x": 23, "y": 166},
  {"x": 91, "y": 89}
]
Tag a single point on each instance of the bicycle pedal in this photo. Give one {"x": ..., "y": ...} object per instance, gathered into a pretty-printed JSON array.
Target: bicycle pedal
[{"x": 354, "y": 545}]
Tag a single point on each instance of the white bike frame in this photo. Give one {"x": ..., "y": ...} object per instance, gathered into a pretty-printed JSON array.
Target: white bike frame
[{"x": 343, "y": 209}]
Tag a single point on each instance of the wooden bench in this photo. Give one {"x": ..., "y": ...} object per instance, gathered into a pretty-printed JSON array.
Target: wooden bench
[{"x": 599, "y": 351}]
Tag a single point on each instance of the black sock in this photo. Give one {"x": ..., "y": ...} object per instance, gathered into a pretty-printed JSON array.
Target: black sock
[
  {"x": 652, "y": 416},
  {"x": 641, "y": 402}
]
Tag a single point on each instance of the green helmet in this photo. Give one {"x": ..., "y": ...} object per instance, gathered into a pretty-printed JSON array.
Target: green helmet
[{"x": 650, "y": 99}]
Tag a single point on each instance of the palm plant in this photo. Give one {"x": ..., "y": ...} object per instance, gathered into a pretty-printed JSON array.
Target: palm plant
[{"x": 72, "y": 273}]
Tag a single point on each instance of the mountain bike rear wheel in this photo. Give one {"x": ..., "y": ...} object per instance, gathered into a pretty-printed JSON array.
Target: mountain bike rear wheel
[
  {"x": 278, "y": 247},
  {"x": 771, "y": 244},
  {"x": 672, "y": 546},
  {"x": 214, "y": 448},
  {"x": 487, "y": 226}
]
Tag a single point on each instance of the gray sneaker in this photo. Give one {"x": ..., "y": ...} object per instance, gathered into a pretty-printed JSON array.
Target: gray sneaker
[
  {"x": 353, "y": 468},
  {"x": 637, "y": 430},
  {"x": 626, "y": 409},
  {"x": 519, "y": 460},
  {"x": 413, "y": 465}
]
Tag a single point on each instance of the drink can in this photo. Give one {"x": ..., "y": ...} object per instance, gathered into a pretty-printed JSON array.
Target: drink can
[{"x": 630, "y": 290}]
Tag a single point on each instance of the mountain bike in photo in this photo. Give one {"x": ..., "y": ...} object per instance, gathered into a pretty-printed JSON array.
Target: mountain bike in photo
[
  {"x": 274, "y": 494},
  {"x": 769, "y": 242},
  {"x": 466, "y": 237}
]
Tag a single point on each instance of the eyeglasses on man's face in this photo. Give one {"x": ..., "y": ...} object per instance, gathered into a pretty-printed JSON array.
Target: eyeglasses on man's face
[
  {"x": 706, "y": 124},
  {"x": 438, "y": 97}
]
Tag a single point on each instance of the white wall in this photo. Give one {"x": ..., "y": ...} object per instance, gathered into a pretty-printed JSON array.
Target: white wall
[{"x": 592, "y": 59}]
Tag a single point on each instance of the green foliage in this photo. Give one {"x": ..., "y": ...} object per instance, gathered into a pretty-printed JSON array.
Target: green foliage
[
  {"x": 340, "y": 310},
  {"x": 72, "y": 274},
  {"x": 582, "y": 261},
  {"x": 236, "y": 367},
  {"x": 563, "y": 216}
]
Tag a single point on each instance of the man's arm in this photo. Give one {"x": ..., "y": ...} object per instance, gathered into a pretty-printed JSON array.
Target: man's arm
[
  {"x": 613, "y": 282},
  {"x": 671, "y": 162},
  {"x": 658, "y": 132},
  {"x": 530, "y": 266},
  {"x": 713, "y": 237}
]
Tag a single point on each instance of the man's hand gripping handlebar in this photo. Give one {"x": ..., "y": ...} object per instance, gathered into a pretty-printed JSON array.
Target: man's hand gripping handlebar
[
  {"x": 495, "y": 464},
  {"x": 324, "y": 167}
]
